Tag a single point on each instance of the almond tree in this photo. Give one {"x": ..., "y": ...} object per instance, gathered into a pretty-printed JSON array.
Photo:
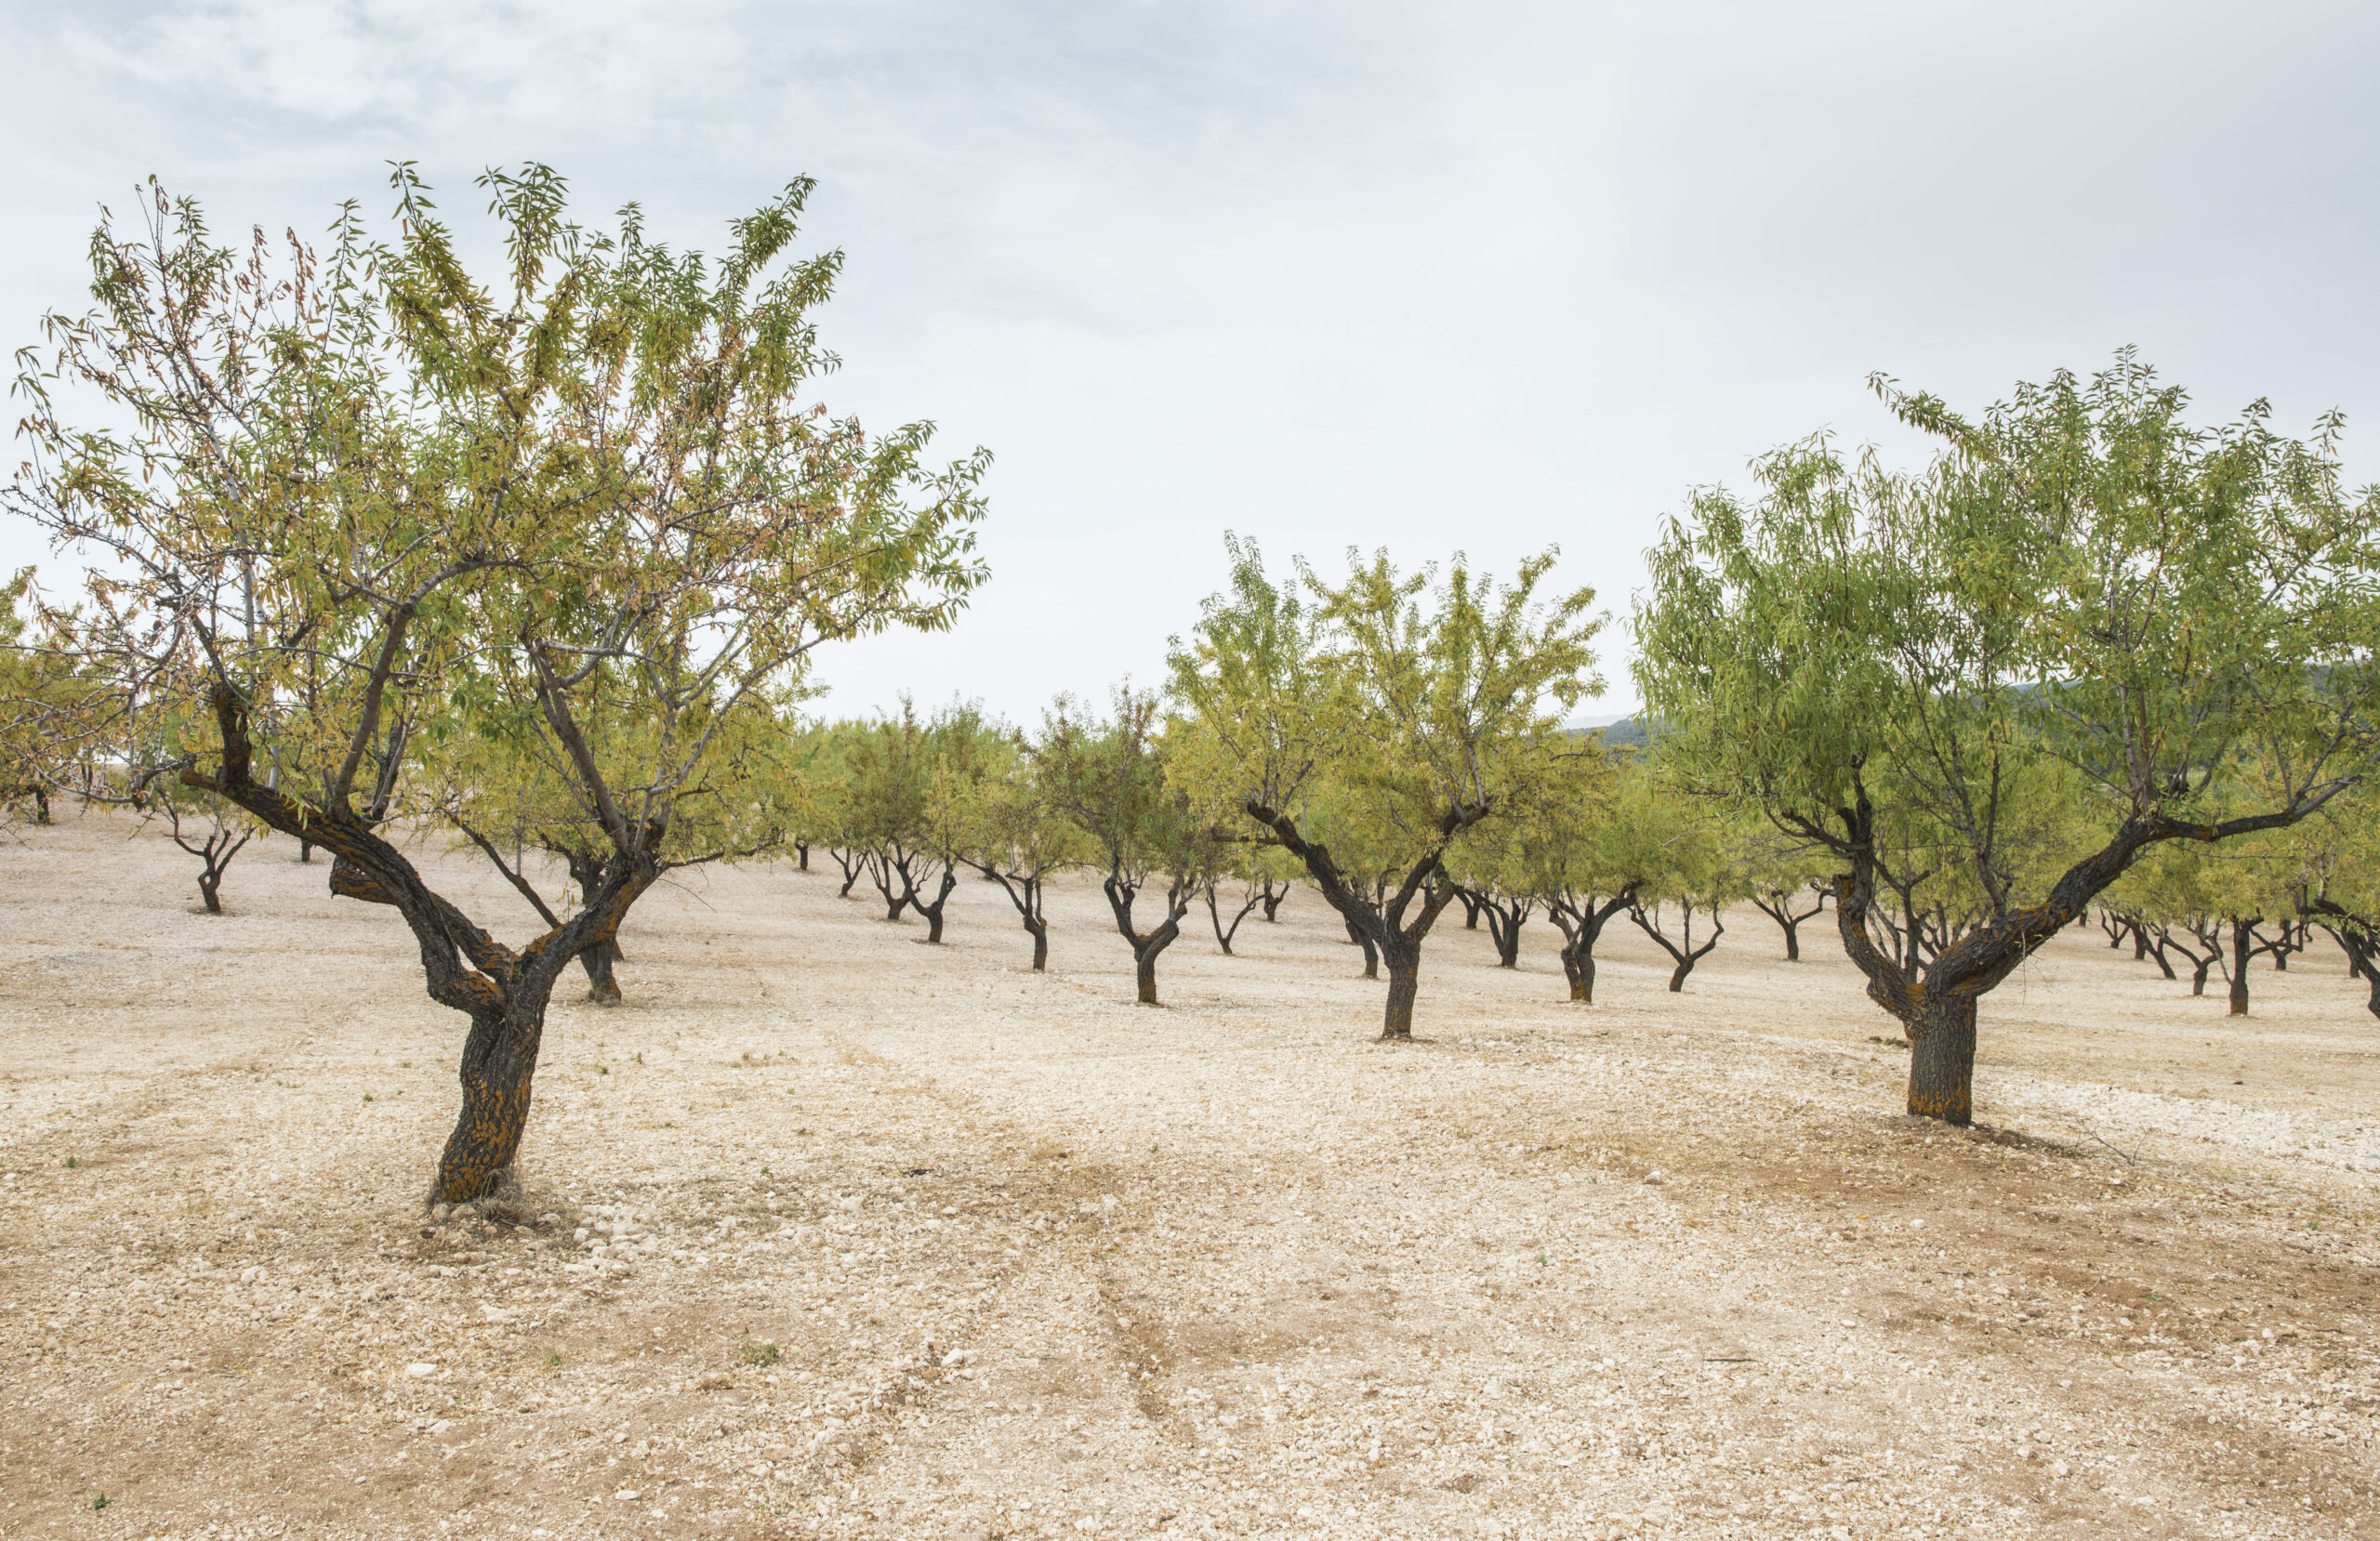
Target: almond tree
[
  {"x": 1780, "y": 874},
  {"x": 2082, "y": 590},
  {"x": 1014, "y": 835},
  {"x": 1685, "y": 869},
  {"x": 513, "y": 792},
  {"x": 2340, "y": 886},
  {"x": 1583, "y": 854},
  {"x": 356, "y": 511},
  {"x": 1419, "y": 699},
  {"x": 1109, "y": 779}
]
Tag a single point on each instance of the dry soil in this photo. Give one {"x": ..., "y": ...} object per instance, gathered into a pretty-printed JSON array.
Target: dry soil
[{"x": 832, "y": 1233}]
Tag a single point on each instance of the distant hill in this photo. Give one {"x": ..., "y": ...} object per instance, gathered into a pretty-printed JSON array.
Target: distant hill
[
  {"x": 1619, "y": 731},
  {"x": 1628, "y": 731}
]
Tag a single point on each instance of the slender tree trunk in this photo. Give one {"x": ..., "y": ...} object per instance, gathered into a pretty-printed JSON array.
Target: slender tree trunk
[
  {"x": 1684, "y": 956},
  {"x": 2158, "y": 953},
  {"x": 1215, "y": 918},
  {"x": 2357, "y": 938},
  {"x": 1273, "y": 900},
  {"x": 1023, "y": 890},
  {"x": 602, "y": 988},
  {"x": 802, "y": 855},
  {"x": 853, "y": 864},
  {"x": 306, "y": 851},
  {"x": 934, "y": 912},
  {"x": 1787, "y": 922},
  {"x": 1505, "y": 923},
  {"x": 208, "y": 881},
  {"x": 1472, "y": 903},
  {"x": 2139, "y": 942},
  {"x": 1941, "y": 1059},
  {"x": 2243, "y": 936},
  {"x": 1371, "y": 954},
  {"x": 894, "y": 903}
]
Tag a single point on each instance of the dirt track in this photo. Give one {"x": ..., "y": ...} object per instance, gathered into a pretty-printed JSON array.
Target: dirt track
[{"x": 1668, "y": 1265}]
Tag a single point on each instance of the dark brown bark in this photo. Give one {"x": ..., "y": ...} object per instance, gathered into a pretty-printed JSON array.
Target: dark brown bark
[
  {"x": 1359, "y": 937},
  {"x": 213, "y": 850},
  {"x": 2202, "y": 958},
  {"x": 1404, "y": 984},
  {"x": 1023, "y": 890},
  {"x": 1581, "y": 918},
  {"x": 502, "y": 992},
  {"x": 2357, "y": 936},
  {"x": 1683, "y": 953},
  {"x": 1273, "y": 897},
  {"x": 933, "y": 912},
  {"x": 597, "y": 959},
  {"x": 1122, "y": 890},
  {"x": 802, "y": 855},
  {"x": 1779, "y": 908},
  {"x": 1941, "y": 1059},
  {"x": 890, "y": 870},
  {"x": 1470, "y": 906},
  {"x": 1214, "y": 916},
  {"x": 1963, "y": 971},
  {"x": 1391, "y": 926},
  {"x": 2156, "y": 944},
  {"x": 2246, "y": 942},
  {"x": 1505, "y": 918},
  {"x": 853, "y": 862}
]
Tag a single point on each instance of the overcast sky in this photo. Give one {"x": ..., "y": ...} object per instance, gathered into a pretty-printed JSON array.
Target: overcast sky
[{"x": 1435, "y": 277}]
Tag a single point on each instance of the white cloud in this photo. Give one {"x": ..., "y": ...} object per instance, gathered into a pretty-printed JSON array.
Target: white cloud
[{"x": 1422, "y": 274}]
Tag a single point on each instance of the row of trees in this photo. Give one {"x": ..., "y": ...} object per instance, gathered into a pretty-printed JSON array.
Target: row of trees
[{"x": 543, "y": 559}]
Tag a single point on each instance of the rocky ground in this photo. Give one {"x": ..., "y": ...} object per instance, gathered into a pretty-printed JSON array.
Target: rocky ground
[{"x": 830, "y": 1234}]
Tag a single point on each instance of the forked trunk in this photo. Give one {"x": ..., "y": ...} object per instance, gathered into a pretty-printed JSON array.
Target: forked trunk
[
  {"x": 1123, "y": 891},
  {"x": 1504, "y": 922},
  {"x": 1273, "y": 899},
  {"x": 1039, "y": 931},
  {"x": 1470, "y": 906},
  {"x": 1941, "y": 1059},
  {"x": 853, "y": 864},
  {"x": 934, "y": 912},
  {"x": 209, "y": 882}
]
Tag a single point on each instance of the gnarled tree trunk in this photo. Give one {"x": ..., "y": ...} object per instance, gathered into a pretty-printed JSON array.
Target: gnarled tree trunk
[
  {"x": 1147, "y": 947},
  {"x": 934, "y": 912},
  {"x": 1581, "y": 919}
]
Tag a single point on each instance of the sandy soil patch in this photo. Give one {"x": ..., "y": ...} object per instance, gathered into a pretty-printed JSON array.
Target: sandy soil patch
[{"x": 909, "y": 1241}]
